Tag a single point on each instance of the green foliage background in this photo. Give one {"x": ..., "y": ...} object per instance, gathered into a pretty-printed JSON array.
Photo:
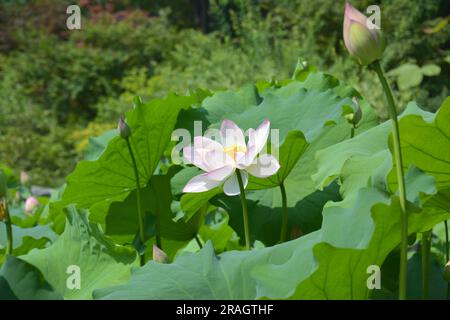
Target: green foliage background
[
  {"x": 163, "y": 65},
  {"x": 58, "y": 87}
]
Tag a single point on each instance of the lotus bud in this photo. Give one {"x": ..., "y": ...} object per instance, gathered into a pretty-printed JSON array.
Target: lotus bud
[
  {"x": 362, "y": 38},
  {"x": 30, "y": 204},
  {"x": 159, "y": 255},
  {"x": 447, "y": 272},
  {"x": 354, "y": 117},
  {"x": 124, "y": 129},
  {"x": 3, "y": 186}
]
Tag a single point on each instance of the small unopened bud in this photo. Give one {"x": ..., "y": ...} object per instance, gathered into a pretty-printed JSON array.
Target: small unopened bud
[
  {"x": 159, "y": 255},
  {"x": 447, "y": 272},
  {"x": 354, "y": 117},
  {"x": 3, "y": 186},
  {"x": 30, "y": 204},
  {"x": 124, "y": 129}
]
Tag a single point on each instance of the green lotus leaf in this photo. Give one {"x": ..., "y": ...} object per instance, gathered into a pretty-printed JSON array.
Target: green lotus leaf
[
  {"x": 122, "y": 220},
  {"x": 22, "y": 281},
  {"x": 425, "y": 144},
  {"x": 96, "y": 184},
  {"x": 82, "y": 247}
]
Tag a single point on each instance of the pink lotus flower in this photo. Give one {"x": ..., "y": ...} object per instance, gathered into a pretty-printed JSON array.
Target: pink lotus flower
[
  {"x": 30, "y": 204},
  {"x": 363, "y": 40},
  {"x": 220, "y": 160}
]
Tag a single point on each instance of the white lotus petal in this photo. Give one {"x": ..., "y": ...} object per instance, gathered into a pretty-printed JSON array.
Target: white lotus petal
[
  {"x": 258, "y": 138},
  {"x": 231, "y": 134},
  {"x": 200, "y": 183},
  {"x": 247, "y": 158},
  {"x": 231, "y": 186},
  {"x": 221, "y": 174},
  {"x": 195, "y": 157},
  {"x": 201, "y": 142},
  {"x": 266, "y": 165},
  {"x": 206, "y": 154}
]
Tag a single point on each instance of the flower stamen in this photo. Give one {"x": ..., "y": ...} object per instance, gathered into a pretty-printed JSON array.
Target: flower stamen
[{"x": 232, "y": 150}]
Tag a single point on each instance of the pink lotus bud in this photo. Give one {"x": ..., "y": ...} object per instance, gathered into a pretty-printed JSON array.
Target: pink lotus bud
[
  {"x": 124, "y": 129},
  {"x": 159, "y": 255},
  {"x": 30, "y": 204},
  {"x": 362, "y": 38}
]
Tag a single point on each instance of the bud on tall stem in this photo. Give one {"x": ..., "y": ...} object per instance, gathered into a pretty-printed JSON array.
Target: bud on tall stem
[
  {"x": 365, "y": 43},
  {"x": 123, "y": 128},
  {"x": 363, "y": 39}
]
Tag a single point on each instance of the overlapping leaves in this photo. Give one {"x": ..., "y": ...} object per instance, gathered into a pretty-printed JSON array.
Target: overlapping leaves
[
  {"x": 341, "y": 197},
  {"x": 331, "y": 263},
  {"x": 82, "y": 247},
  {"x": 96, "y": 184}
]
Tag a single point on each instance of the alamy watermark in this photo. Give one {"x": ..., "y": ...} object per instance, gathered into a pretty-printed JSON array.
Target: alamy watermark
[
  {"x": 374, "y": 17},
  {"x": 73, "y": 281},
  {"x": 374, "y": 279},
  {"x": 73, "y": 22}
]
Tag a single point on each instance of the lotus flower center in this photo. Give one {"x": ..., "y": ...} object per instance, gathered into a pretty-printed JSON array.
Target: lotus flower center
[{"x": 232, "y": 150}]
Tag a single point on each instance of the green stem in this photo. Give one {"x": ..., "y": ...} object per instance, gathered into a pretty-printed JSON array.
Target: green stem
[
  {"x": 285, "y": 214},
  {"x": 138, "y": 194},
  {"x": 447, "y": 254},
  {"x": 400, "y": 178},
  {"x": 447, "y": 250},
  {"x": 158, "y": 234},
  {"x": 8, "y": 225},
  {"x": 244, "y": 210},
  {"x": 199, "y": 243},
  {"x": 426, "y": 246},
  {"x": 158, "y": 227},
  {"x": 352, "y": 132}
]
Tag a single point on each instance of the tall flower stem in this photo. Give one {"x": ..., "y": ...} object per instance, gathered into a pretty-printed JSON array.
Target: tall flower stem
[
  {"x": 244, "y": 209},
  {"x": 447, "y": 249},
  {"x": 426, "y": 246},
  {"x": 285, "y": 214},
  {"x": 9, "y": 234},
  {"x": 447, "y": 253},
  {"x": 158, "y": 228},
  {"x": 352, "y": 131},
  {"x": 138, "y": 193},
  {"x": 400, "y": 178},
  {"x": 199, "y": 243}
]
